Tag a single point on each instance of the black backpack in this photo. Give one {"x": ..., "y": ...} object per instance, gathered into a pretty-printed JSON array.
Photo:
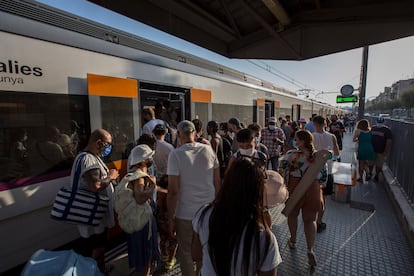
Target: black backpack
[
  {"x": 261, "y": 159},
  {"x": 225, "y": 152}
]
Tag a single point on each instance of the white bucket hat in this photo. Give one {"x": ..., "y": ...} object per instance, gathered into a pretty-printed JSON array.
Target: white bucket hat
[
  {"x": 139, "y": 154},
  {"x": 276, "y": 191}
]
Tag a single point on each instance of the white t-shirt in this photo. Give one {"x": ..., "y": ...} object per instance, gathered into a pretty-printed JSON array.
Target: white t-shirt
[
  {"x": 90, "y": 162},
  {"x": 271, "y": 260},
  {"x": 162, "y": 151},
  {"x": 324, "y": 141},
  {"x": 149, "y": 126},
  {"x": 194, "y": 163}
]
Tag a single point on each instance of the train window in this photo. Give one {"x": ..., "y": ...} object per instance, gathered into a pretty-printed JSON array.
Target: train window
[
  {"x": 40, "y": 135},
  {"x": 118, "y": 119}
]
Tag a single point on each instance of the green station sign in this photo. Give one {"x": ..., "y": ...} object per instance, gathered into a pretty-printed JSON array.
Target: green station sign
[{"x": 347, "y": 99}]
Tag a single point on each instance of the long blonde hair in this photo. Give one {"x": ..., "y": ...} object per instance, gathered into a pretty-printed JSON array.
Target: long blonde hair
[{"x": 306, "y": 136}]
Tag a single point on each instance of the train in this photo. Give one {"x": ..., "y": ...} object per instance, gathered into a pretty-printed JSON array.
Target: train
[{"x": 62, "y": 76}]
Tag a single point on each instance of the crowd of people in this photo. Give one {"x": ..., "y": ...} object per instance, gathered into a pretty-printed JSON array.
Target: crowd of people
[{"x": 209, "y": 193}]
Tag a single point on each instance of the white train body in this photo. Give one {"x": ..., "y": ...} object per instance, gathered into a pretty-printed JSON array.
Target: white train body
[{"x": 52, "y": 76}]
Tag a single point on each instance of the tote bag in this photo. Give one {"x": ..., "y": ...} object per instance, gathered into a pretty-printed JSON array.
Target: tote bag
[
  {"x": 132, "y": 216},
  {"x": 79, "y": 206}
]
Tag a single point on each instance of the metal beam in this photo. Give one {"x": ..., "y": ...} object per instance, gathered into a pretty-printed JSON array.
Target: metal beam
[{"x": 278, "y": 11}]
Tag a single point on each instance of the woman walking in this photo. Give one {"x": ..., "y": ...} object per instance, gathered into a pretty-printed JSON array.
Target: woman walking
[
  {"x": 366, "y": 153},
  {"x": 230, "y": 234},
  {"x": 292, "y": 167}
]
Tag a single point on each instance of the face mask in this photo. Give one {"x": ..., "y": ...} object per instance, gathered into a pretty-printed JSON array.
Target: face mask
[
  {"x": 107, "y": 151},
  {"x": 294, "y": 143},
  {"x": 272, "y": 127},
  {"x": 257, "y": 140},
  {"x": 247, "y": 152}
]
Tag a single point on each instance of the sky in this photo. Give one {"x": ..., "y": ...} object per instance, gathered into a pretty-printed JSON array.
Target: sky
[{"x": 387, "y": 62}]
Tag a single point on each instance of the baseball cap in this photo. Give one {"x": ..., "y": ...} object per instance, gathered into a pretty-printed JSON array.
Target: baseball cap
[
  {"x": 139, "y": 154},
  {"x": 185, "y": 127},
  {"x": 272, "y": 120},
  {"x": 159, "y": 127}
]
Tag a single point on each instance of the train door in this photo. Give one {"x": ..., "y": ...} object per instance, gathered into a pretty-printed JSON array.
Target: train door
[
  {"x": 296, "y": 109},
  {"x": 269, "y": 111},
  {"x": 170, "y": 103}
]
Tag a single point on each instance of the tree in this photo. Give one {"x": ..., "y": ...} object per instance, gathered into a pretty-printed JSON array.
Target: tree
[{"x": 407, "y": 100}]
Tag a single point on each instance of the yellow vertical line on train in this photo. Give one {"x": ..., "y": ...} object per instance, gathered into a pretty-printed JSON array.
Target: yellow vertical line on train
[
  {"x": 200, "y": 95},
  {"x": 112, "y": 86}
]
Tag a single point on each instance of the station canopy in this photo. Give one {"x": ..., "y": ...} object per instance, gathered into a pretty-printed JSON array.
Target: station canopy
[{"x": 274, "y": 29}]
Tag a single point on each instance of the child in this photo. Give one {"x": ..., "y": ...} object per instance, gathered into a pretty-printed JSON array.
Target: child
[{"x": 168, "y": 244}]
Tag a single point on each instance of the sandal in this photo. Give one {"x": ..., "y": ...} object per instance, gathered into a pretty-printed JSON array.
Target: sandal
[
  {"x": 311, "y": 258},
  {"x": 169, "y": 265},
  {"x": 291, "y": 244}
]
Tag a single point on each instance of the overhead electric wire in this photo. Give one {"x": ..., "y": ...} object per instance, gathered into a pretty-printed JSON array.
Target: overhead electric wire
[{"x": 270, "y": 69}]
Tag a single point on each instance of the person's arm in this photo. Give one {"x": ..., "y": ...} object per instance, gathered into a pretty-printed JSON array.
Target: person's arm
[
  {"x": 215, "y": 144},
  {"x": 388, "y": 144},
  {"x": 335, "y": 145},
  {"x": 217, "y": 179},
  {"x": 282, "y": 137},
  {"x": 356, "y": 134},
  {"x": 172, "y": 196},
  {"x": 229, "y": 165},
  {"x": 196, "y": 248},
  {"x": 96, "y": 183},
  {"x": 143, "y": 190}
]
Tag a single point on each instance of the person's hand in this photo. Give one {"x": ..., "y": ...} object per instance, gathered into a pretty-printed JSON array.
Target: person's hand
[{"x": 113, "y": 174}]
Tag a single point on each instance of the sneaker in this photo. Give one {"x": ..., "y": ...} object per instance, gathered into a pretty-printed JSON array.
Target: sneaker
[
  {"x": 320, "y": 227},
  {"x": 311, "y": 258},
  {"x": 169, "y": 265},
  {"x": 291, "y": 244}
]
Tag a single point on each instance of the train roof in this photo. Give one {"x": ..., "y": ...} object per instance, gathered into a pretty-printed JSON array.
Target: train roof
[{"x": 61, "y": 19}]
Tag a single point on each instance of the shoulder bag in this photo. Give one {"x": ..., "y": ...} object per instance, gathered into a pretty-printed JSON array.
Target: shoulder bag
[
  {"x": 132, "y": 216},
  {"x": 79, "y": 206}
]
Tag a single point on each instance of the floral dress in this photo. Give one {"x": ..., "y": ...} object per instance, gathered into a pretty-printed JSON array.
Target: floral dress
[
  {"x": 295, "y": 163},
  {"x": 293, "y": 166}
]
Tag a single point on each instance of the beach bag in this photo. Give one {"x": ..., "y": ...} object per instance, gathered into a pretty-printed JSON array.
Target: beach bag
[
  {"x": 132, "y": 217},
  {"x": 79, "y": 206}
]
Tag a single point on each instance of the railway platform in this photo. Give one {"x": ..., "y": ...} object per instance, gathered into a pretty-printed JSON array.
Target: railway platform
[{"x": 362, "y": 237}]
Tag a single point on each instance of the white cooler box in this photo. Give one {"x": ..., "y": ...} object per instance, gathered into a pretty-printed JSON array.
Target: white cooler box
[{"x": 344, "y": 178}]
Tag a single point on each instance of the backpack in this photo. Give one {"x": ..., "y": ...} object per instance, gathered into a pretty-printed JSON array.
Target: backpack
[
  {"x": 261, "y": 159},
  {"x": 171, "y": 135},
  {"x": 225, "y": 152}
]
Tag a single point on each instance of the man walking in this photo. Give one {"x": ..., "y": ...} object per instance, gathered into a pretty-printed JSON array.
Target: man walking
[
  {"x": 324, "y": 140},
  {"x": 381, "y": 141},
  {"x": 193, "y": 180},
  {"x": 273, "y": 137}
]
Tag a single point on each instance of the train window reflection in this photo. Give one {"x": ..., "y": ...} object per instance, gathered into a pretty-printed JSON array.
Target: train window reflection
[
  {"x": 117, "y": 118},
  {"x": 40, "y": 135}
]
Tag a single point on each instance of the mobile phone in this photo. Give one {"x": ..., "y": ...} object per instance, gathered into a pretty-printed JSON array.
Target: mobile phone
[{"x": 148, "y": 183}]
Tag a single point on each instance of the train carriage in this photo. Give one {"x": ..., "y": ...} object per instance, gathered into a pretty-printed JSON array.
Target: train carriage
[{"x": 62, "y": 74}]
